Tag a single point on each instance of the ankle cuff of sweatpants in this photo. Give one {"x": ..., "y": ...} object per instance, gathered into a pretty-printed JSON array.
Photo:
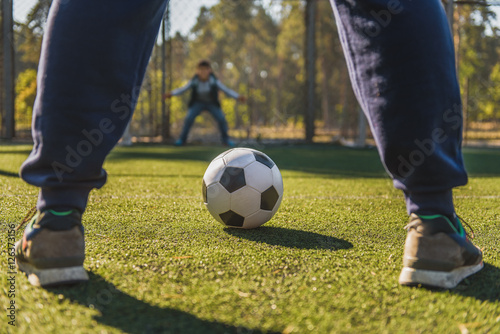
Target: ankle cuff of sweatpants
[
  {"x": 430, "y": 203},
  {"x": 74, "y": 198}
]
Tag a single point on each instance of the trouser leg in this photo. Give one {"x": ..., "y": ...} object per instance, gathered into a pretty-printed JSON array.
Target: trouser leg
[
  {"x": 192, "y": 113},
  {"x": 93, "y": 60},
  {"x": 218, "y": 115},
  {"x": 401, "y": 62}
]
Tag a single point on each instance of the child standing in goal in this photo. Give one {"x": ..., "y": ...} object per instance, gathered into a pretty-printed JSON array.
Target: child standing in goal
[{"x": 205, "y": 87}]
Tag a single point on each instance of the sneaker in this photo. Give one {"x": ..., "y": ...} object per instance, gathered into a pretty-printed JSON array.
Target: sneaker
[
  {"x": 179, "y": 142},
  {"x": 438, "y": 253},
  {"x": 52, "y": 249},
  {"x": 229, "y": 143}
]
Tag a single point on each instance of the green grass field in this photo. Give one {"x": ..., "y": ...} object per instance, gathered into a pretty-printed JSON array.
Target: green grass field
[{"x": 328, "y": 262}]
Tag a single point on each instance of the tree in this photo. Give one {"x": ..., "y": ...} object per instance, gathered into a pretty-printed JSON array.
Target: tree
[
  {"x": 25, "y": 97},
  {"x": 478, "y": 54},
  {"x": 28, "y": 39}
]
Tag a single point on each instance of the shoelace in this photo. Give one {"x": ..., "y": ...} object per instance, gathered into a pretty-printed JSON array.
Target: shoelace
[
  {"x": 471, "y": 236},
  {"x": 27, "y": 218}
]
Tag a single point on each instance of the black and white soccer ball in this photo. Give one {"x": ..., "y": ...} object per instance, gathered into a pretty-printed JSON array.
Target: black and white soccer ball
[{"x": 242, "y": 188}]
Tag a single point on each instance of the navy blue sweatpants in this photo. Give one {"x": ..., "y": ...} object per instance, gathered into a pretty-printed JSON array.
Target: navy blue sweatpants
[{"x": 401, "y": 62}]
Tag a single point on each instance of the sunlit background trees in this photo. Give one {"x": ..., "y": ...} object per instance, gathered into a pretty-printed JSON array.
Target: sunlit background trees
[{"x": 258, "y": 48}]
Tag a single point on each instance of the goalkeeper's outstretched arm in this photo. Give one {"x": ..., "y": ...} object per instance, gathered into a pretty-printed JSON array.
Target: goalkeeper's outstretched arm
[{"x": 178, "y": 91}]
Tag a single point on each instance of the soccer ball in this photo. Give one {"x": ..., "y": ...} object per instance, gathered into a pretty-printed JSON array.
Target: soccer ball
[{"x": 242, "y": 188}]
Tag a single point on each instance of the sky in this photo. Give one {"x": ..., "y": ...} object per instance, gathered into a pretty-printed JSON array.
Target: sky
[{"x": 184, "y": 12}]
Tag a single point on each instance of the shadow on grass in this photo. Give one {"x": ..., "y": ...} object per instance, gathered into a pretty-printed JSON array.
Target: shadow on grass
[
  {"x": 279, "y": 236},
  {"x": 482, "y": 162},
  {"x": 8, "y": 174},
  {"x": 484, "y": 286},
  {"x": 325, "y": 160},
  {"x": 131, "y": 315},
  {"x": 320, "y": 160},
  {"x": 157, "y": 152},
  {"x": 167, "y": 176}
]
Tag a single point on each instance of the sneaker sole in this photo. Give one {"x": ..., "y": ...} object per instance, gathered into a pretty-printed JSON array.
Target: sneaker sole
[
  {"x": 53, "y": 277},
  {"x": 439, "y": 279}
]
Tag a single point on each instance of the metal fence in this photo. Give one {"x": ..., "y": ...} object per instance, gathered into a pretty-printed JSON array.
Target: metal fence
[
  {"x": 259, "y": 49},
  {"x": 283, "y": 55}
]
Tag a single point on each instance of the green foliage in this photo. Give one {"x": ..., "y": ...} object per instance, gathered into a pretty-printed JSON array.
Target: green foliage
[
  {"x": 25, "y": 96},
  {"x": 491, "y": 105},
  {"x": 257, "y": 48},
  {"x": 28, "y": 39},
  {"x": 29, "y": 35},
  {"x": 478, "y": 44}
]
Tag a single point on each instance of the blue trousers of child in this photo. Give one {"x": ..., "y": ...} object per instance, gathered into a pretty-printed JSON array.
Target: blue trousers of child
[
  {"x": 196, "y": 109},
  {"x": 401, "y": 61}
]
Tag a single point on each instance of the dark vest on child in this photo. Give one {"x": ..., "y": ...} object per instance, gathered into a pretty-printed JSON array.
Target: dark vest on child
[{"x": 205, "y": 92}]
